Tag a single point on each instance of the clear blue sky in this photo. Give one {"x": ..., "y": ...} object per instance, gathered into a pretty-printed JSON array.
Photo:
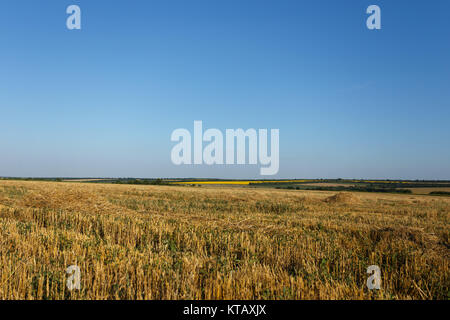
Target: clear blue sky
[{"x": 103, "y": 101}]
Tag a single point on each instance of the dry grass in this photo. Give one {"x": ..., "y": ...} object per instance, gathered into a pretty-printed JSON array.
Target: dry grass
[
  {"x": 343, "y": 197},
  {"x": 160, "y": 242}
]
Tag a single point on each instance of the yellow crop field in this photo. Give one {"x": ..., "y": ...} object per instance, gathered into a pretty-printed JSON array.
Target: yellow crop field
[
  {"x": 236, "y": 182},
  {"x": 213, "y": 182},
  {"x": 176, "y": 242}
]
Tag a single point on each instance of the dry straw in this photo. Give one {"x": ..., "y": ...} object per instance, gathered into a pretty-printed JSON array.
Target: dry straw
[{"x": 161, "y": 242}]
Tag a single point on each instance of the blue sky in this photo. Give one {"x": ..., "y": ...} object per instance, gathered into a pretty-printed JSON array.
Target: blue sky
[{"x": 103, "y": 101}]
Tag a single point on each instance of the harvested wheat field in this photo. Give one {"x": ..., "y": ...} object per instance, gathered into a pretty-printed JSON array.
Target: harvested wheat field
[{"x": 176, "y": 242}]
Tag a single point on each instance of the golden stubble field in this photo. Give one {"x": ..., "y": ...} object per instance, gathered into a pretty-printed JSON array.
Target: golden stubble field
[{"x": 176, "y": 242}]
